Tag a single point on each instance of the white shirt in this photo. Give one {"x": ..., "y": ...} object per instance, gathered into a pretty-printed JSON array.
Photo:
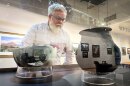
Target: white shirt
[{"x": 40, "y": 34}]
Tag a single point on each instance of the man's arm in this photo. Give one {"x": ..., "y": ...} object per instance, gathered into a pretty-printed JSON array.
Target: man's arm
[{"x": 69, "y": 52}]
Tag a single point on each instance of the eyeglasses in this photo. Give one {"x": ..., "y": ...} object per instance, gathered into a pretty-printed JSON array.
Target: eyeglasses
[{"x": 58, "y": 18}]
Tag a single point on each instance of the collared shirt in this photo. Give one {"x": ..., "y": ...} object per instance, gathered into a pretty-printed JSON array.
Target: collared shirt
[{"x": 40, "y": 34}]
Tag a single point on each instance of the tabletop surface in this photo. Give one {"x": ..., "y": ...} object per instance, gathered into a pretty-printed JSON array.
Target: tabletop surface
[{"x": 59, "y": 78}]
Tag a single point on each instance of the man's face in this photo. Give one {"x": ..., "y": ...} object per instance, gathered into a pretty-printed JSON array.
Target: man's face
[{"x": 57, "y": 19}]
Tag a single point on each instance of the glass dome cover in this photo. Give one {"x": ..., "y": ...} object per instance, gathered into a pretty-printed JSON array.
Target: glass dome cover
[
  {"x": 96, "y": 56},
  {"x": 34, "y": 62}
]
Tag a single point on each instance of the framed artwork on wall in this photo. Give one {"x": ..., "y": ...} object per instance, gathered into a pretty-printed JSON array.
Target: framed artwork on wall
[
  {"x": 123, "y": 50},
  {"x": 84, "y": 47},
  {"x": 96, "y": 51},
  {"x": 109, "y": 51},
  {"x": 128, "y": 50},
  {"x": 9, "y": 41}
]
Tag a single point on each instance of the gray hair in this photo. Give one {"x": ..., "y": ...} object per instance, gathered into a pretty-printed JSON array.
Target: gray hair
[{"x": 56, "y": 6}]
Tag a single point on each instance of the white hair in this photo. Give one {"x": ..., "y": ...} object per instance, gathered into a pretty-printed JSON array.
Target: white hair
[{"x": 56, "y": 6}]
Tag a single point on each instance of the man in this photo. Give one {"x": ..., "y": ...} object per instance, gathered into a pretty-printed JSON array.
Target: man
[{"x": 51, "y": 33}]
